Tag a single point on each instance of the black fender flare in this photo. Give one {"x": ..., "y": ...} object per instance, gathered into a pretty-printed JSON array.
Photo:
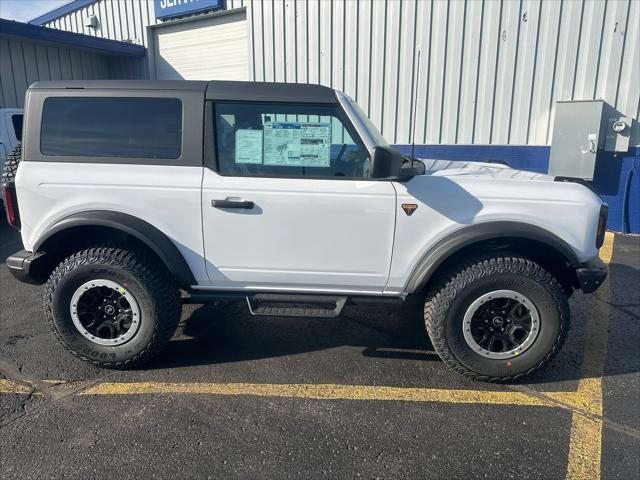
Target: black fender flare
[
  {"x": 146, "y": 233},
  {"x": 467, "y": 236}
]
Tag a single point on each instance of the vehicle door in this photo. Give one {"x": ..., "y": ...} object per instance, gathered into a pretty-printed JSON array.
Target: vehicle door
[{"x": 288, "y": 203}]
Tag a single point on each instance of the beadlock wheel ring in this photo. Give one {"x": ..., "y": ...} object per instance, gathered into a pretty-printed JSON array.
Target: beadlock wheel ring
[
  {"x": 501, "y": 324},
  {"x": 105, "y": 312}
]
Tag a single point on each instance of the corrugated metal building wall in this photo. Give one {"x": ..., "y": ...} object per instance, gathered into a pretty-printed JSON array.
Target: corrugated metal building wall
[
  {"x": 124, "y": 20},
  {"x": 490, "y": 72},
  {"x": 23, "y": 62},
  {"x": 118, "y": 20}
]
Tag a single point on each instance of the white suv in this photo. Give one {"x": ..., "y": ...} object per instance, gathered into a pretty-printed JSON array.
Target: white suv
[{"x": 131, "y": 192}]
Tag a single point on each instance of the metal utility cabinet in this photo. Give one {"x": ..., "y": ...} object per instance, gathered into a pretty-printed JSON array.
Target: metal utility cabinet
[{"x": 581, "y": 129}]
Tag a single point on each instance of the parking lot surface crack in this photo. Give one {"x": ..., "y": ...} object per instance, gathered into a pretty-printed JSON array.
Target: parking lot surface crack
[
  {"x": 54, "y": 393},
  {"x": 15, "y": 375}
]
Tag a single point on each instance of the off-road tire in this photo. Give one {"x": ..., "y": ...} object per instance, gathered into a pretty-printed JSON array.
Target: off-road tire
[
  {"x": 11, "y": 164},
  {"x": 456, "y": 288},
  {"x": 151, "y": 284}
]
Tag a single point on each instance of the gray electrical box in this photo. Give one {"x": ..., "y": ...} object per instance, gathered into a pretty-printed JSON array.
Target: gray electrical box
[
  {"x": 581, "y": 129},
  {"x": 578, "y": 134}
]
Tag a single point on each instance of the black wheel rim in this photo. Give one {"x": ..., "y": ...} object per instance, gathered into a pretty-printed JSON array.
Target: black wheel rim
[
  {"x": 501, "y": 324},
  {"x": 105, "y": 312}
]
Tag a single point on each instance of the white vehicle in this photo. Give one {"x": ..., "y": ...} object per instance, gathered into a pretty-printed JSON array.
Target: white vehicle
[
  {"x": 10, "y": 131},
  {"x": 285, "y": 195}
]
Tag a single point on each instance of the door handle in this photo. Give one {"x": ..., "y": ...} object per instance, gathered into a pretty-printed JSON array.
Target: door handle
[{"x": 228, "y": 203}]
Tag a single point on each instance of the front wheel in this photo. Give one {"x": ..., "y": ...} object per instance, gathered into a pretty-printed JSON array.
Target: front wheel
[
  {"x": 496, "y": 318},
  {"x": 112, "y": 306}
]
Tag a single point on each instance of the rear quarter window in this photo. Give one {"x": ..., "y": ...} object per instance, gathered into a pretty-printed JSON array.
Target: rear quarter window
[{"x": 112, "y": 127}]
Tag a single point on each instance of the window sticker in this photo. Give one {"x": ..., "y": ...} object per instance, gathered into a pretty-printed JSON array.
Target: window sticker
[
  {"x": 248, "y": 146},
  {"x": 282, "y": 143},
  {"x": 315, "y": 144},
  {"x": 297, "y": 144}
]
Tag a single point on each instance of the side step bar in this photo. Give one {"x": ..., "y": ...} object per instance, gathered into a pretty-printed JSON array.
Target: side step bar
[
  {"x": 289, "y": 304},
  {"x": 279, "y": 305}
]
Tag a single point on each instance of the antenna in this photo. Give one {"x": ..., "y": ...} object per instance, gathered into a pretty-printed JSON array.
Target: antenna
[{"x": 414, "y": 95}]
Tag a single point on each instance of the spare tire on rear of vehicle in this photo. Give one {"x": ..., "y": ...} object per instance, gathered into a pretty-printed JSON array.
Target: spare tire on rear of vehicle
[{"x": 11, "y": 164}]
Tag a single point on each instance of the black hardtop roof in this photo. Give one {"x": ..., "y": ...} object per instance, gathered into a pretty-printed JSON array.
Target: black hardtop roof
[
  {"x": 213, "y": 90},
  {"x": 188, "y": 85},
  {"x": 270, "y": 92}
]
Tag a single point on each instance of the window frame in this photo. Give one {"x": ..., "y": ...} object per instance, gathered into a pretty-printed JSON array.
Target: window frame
[
  {"x": 192, "y": 123},
  {"x": 211, "y": 136}
]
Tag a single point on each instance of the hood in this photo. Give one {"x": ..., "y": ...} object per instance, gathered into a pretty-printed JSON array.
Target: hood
[{"x": 452, "y": 168}]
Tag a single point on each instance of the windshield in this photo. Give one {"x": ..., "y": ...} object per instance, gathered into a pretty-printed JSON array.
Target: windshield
[{"x": 368, "y": 124}]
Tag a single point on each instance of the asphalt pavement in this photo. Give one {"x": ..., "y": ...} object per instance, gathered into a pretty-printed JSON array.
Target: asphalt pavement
[{"x": 360, "y": 396}]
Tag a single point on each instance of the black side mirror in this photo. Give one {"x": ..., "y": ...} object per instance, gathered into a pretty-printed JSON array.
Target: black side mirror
[{"x": 386, "y": 163}]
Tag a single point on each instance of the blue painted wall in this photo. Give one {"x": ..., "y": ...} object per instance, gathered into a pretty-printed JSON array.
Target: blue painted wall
[{"x": 616, "y": 179}]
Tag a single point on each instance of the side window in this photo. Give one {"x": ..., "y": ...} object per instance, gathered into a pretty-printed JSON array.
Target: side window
[
  {"x": 112, "y": 127},
  {"x": 16, "y": 120},
  {"x": 286, "y": 141}
]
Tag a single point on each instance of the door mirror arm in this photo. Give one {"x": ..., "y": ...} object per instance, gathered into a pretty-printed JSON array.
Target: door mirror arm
[
  {"x": 406, "y": 174},
  {"x": 411, "y": 169}
]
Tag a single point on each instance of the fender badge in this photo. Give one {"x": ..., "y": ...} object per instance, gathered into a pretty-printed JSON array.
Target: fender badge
[{"x": 409, "y": 208}]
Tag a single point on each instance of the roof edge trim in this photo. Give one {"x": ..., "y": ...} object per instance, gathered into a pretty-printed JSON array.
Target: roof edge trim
[
  {"x": 100, "y": 45},
  {"x": 60, "y": 11}
]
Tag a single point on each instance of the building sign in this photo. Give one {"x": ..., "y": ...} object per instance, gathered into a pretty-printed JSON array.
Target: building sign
[{"x": 172, "y": 8}]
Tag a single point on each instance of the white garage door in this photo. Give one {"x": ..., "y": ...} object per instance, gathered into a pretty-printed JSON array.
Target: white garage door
[{"x": 214, "y": 48}]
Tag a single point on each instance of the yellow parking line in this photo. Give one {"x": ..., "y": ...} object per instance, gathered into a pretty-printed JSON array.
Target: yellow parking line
[
  {"x": 323, "y": 392},
  {"x": 585, "y": 448},
  {"x": 606, "y": 251},
  {"x": 585, "y": 444},
  {"x": 577, "y": 402},
  {"x": 7, "y": 386},
  {"x": 571, "y": 400}
]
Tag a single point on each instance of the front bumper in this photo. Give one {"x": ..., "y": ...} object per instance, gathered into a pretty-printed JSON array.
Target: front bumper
[
  {"x": 28, "y": 267},
  {"x": 591, "y": 275}
]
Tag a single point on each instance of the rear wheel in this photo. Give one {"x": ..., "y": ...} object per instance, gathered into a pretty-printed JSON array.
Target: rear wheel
[
  {"x": 496, "y": 318},
  {"x": 112, "y": 306}
]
